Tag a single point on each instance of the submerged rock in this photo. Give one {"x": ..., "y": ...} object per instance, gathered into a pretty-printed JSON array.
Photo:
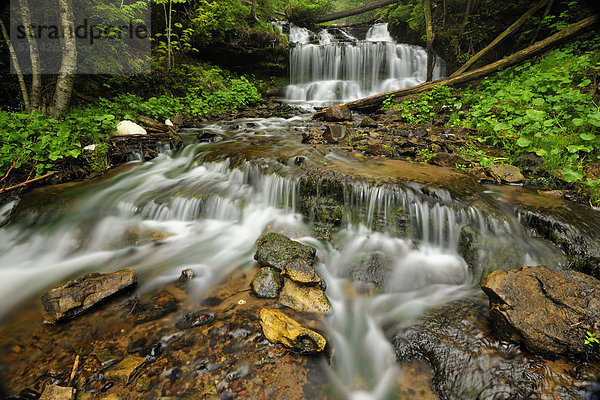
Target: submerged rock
[
  {"x": 302, "y": 298},
  {"x": 79, "y": 294},
  {"x": 273, "y": 250},
  {"x": 267, "y": 283},
  {"x": 547, "y": 311},
  {"x": 279, "y": 328},
  {"x": 154, "y": 307},
  {"x": 124, "y": 371},
  {"x": 300, "y": 271},
  {"x": 52, "y": 392},
  {"x": 193, "y": 319}
]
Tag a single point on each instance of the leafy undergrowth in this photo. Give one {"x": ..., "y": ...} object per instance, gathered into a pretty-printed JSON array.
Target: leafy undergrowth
[
  {"x": 550, "y": 109},
  {"x": 33, "y": 144}
]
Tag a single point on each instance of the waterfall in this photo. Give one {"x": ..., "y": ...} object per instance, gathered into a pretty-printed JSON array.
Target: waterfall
[{"x": 336, "y": 67}]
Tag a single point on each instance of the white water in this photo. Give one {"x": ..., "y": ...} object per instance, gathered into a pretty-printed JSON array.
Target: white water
[
  {"x": 325, "y": 69},
  {"x": 209, "y": 217}
]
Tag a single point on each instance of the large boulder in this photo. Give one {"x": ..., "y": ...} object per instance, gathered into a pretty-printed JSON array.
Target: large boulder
[
  {"x": 273, "y": 250},
  {"x": 550, "y": 312},
  {"x": 468, "y": 363},
  {"x": 334, "y": 133},
  {"x": 279, "y": 328},
  {"x": 78, "y": 295}
]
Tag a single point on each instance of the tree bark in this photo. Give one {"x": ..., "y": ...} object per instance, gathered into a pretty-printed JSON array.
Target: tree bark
[
  {"x": 68, "y": 65},
  {"x": 537, "y": 30},
  {"x": 509, "y": 31},
  {"x": 16, "y": 66},
  {"x": 429, "y": 31},
  {"x": 354, "y": 11},
  {"x": 34, "y": 55},
  {"x": 23, "y": 184},
  {"x": 374, "y": 102}
]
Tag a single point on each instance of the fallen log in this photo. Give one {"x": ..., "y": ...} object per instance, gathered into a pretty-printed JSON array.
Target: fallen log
[
  {"x": 354, "y": 11},
  {"x": 507, "y": 32},
  {"x": 372, "y": 103},
  {"x": 30, "y": 181},
  {"x": 353, "y": 24}
]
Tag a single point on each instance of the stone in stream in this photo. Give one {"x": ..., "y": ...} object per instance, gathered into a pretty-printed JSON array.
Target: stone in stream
[
  {"x": 300, "y": 271},
  {"x": 334, "y": 114},
  {"x": 547, "y": 311},
  {"x": 334, "y": 133},
  {"x": 506, "y": 173},
  {"x": 469, "y": 364},
  {"x": 53, "y": 392},
  {"x": 368, "y": 122},
  {"x": 273, "y": 250},
  {"x": 267, "y": 283},
  {"x": 279, "y": 328},
  {"x": 193, "y": 319},
  {"x": 444, "y": 159},
  {"x": 304, "y": 298},
  {"x": 124, "y": 371},
  {"x": 78, "y": 295},
  {"x": 153, "y": 307}
]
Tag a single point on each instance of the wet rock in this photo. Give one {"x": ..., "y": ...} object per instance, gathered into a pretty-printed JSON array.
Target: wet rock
[
  {"x": 143, "y": 384},
  {"x": 312, "y": 136},
  {"x": 506, "y": 173},
  {"x": 300, "y": 271},
  {"x": 52, "y": 392},
  {"x": 334, "y": 114},
  {"x": 547, "y": 311},
  {"x": 372, "y": 267},
  {"x": 208, "y": 137},
  {"x": 444, "y": 159},
  {"x": 581, "y": 246},
  {"x": 279, "y": 328},
  {"x": 379, "y": 149},
  {"x": 469, "y": 364},
  {"x": 273, "y": 250},
  {"x": 553, "y": 194},
  {"x": 79, "y": 294},
  {"x": 124, "y": 371},
  {"x": 154, "y": 307},
  {"x": 368, "y": 122},
  {"x": 267, "y": 283},
  {"x": 186, "y": 276},
  {"x": 194, "y": 319},
  {"x": 321, "y": 209},
  {"x": 530, "y": 163},
  {"x": 304, "y": 298},
  {"x": 334, "y": 133}
]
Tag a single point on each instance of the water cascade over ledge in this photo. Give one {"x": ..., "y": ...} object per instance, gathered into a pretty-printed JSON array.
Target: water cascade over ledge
[{"x": 335, "y": 66}]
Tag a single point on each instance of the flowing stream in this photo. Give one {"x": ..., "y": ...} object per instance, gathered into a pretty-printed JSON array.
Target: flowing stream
[{"x": 210, "y": 213}]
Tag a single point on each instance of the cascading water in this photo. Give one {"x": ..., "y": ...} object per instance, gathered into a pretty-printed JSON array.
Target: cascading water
[{"x": 327, "y": 68}]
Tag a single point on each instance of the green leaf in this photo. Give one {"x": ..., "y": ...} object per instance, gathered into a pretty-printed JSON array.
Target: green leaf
[
  {"x": 541, "y": 152},
  {"x": 569, "y": 175},
  {"x": 587, "y": 136},
  {"x": 577, "y": 121},
  {"x": 537, "y": 115},
  {"x": 502, "y": 126},
  {"x": 523, "y": 142},
  {"x": 584, "y": 83}
]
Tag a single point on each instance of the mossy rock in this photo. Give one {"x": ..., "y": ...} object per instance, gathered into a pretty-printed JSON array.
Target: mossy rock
[
  {"x": 274, "y": 249},
  {"x": 267, "y": 283}
]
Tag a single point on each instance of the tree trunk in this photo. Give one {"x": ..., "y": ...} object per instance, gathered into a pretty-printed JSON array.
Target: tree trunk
[
  {"x": 509, "y": 31},
  {"x": 354, "y": 11},
  {"x": 16, "y": 66},
  {"x": 429, "y": 30},
  {"x": 68, "y": 65},
  {"x": 374, "y": 102},
  {"x": 34, "y": 55},
  {"x": 537, "y": 30},
  {"x": 253, "y": 10}
]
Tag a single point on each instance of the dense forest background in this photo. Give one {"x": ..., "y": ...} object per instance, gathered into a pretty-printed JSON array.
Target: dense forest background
[{"x": 211, "y": 57}]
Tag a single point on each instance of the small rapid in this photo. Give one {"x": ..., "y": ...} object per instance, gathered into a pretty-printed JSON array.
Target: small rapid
[{"x": 393, "y": 255}]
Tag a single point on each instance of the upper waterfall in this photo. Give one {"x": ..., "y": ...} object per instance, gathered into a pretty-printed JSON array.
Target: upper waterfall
[{"x": 334, "y": 66}]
